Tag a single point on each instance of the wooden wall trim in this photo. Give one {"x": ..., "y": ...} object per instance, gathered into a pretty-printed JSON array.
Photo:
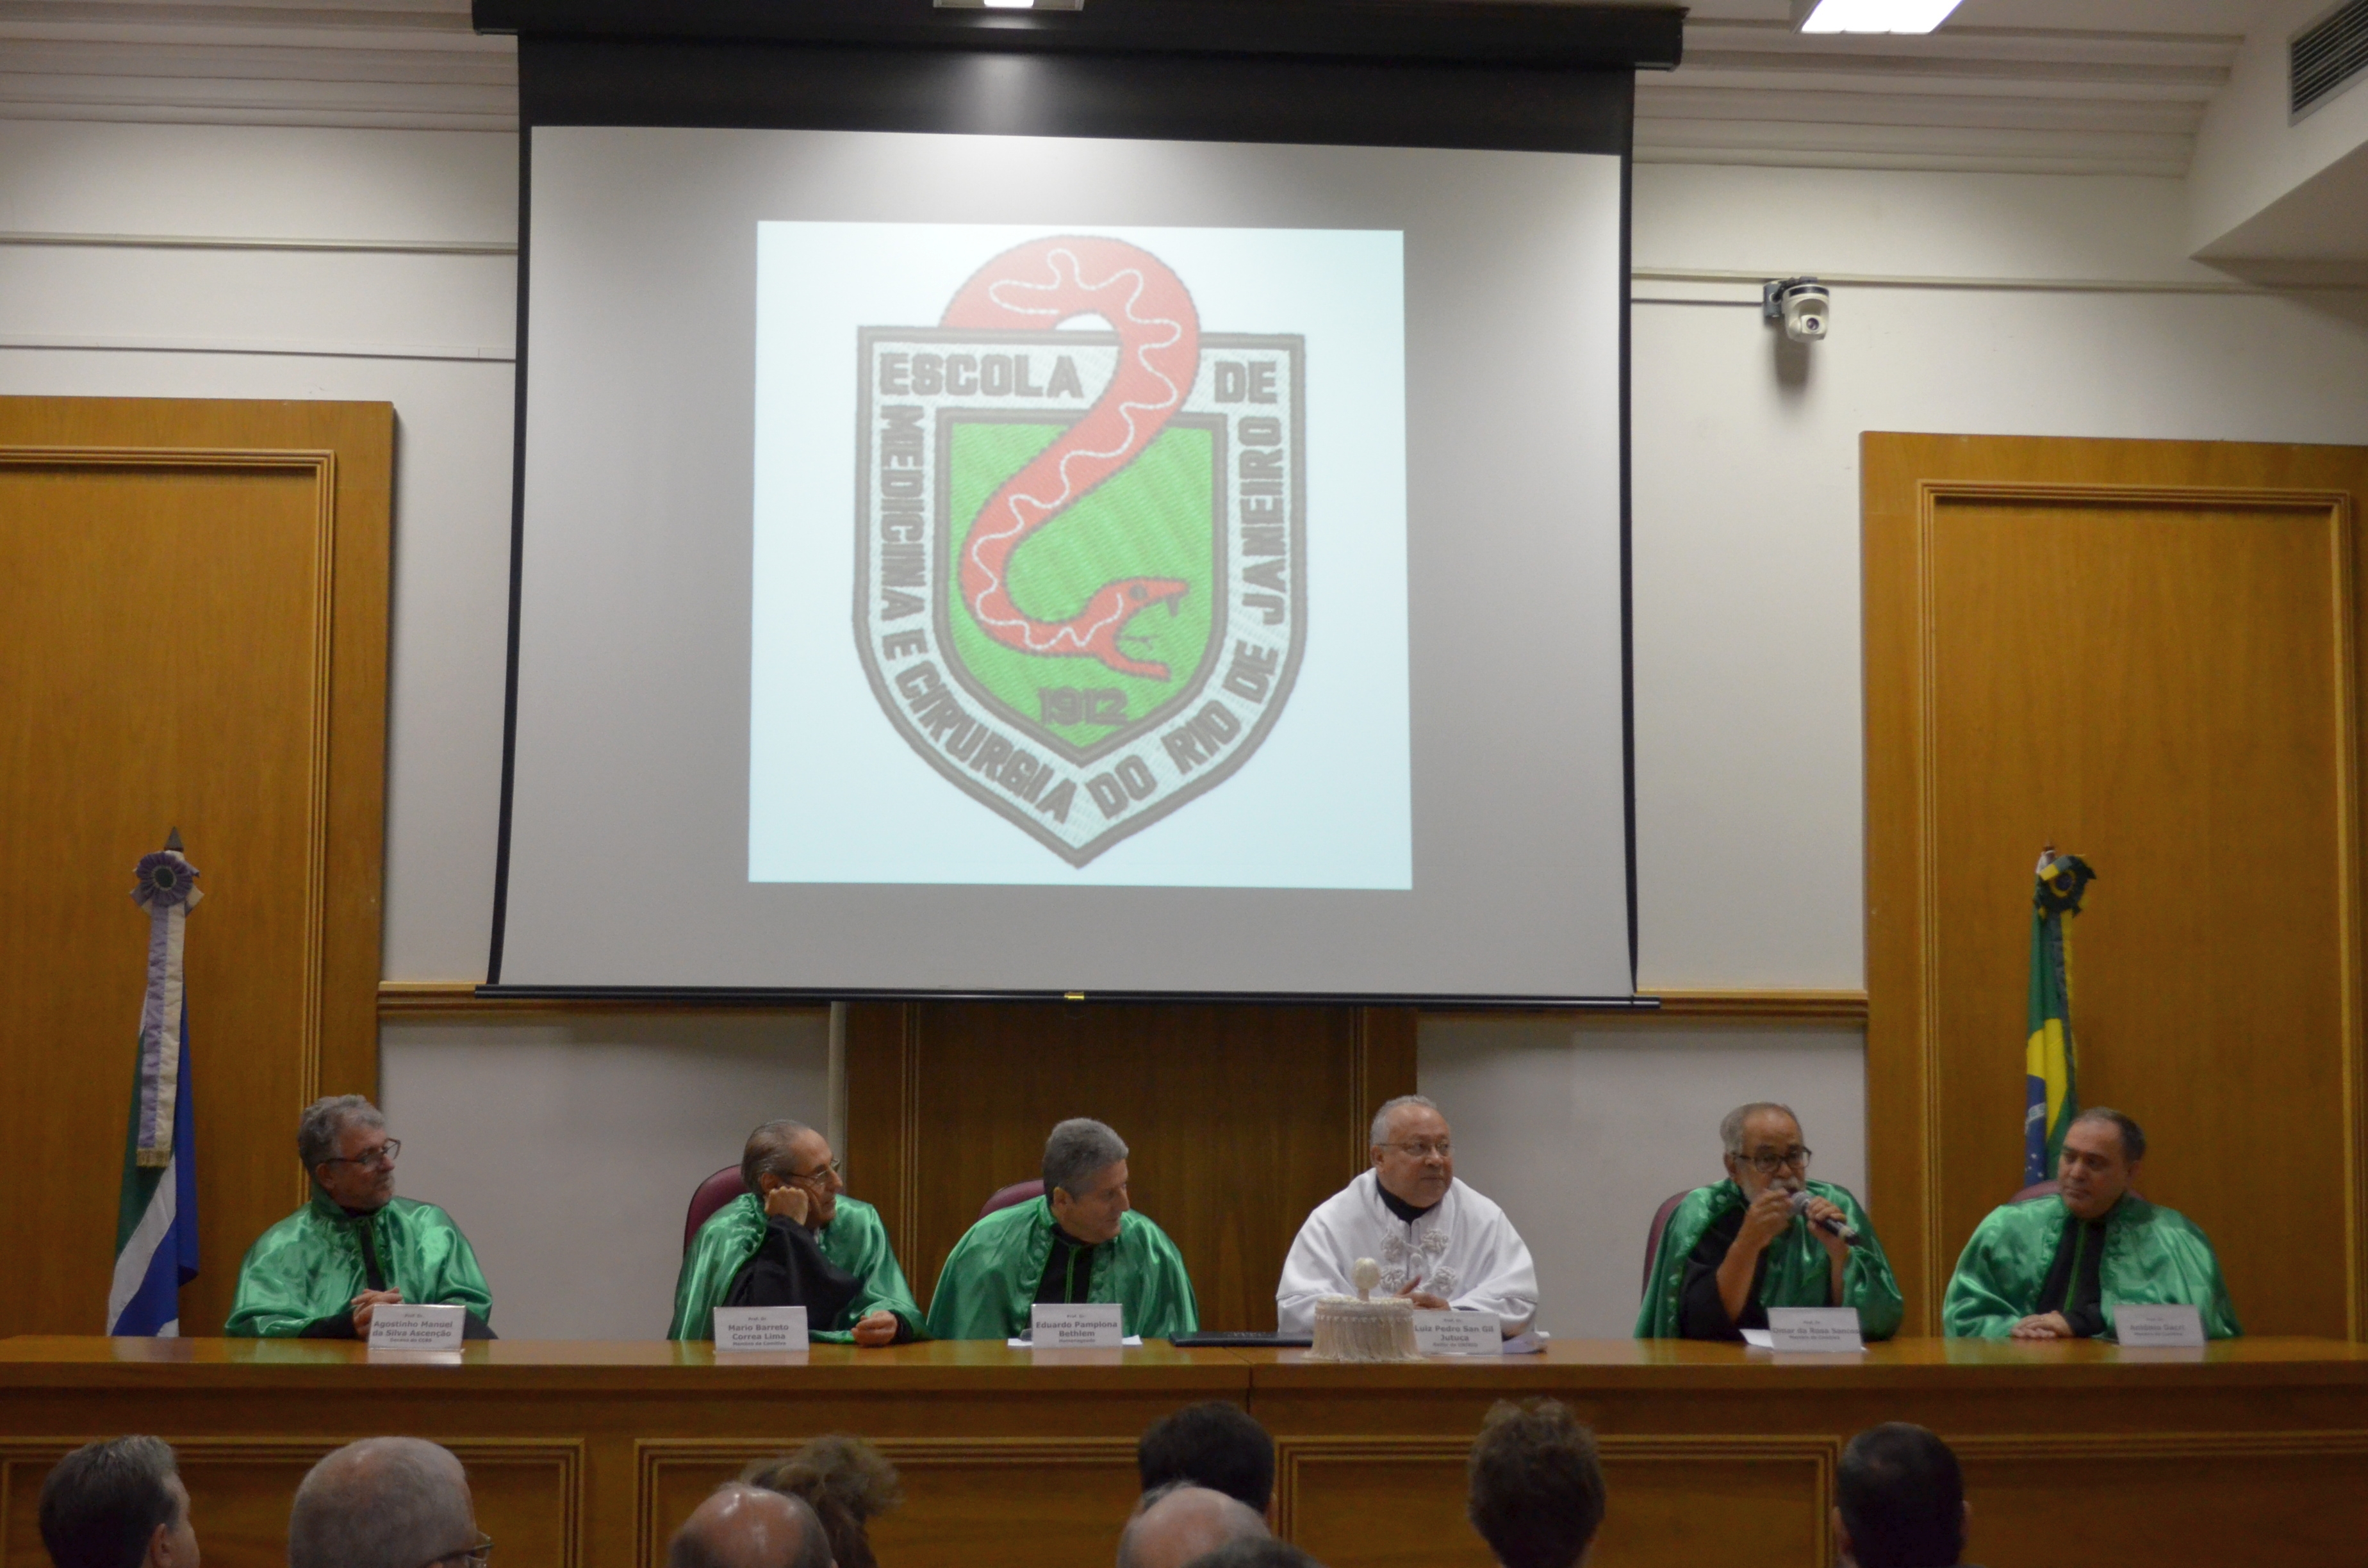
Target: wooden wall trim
[{"x": 402, "y": 1000}]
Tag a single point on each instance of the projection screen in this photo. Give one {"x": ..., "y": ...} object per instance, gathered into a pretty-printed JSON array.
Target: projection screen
[{"x": 977, "y": 563}]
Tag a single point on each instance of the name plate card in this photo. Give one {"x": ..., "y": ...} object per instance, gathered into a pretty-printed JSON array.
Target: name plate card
[
  {"x": 406, "y": 1325},
  {"x": 1821, "y": 1329},
  {"x": 1076, "y": 1325},
  {"x": 1438, "y": 1332},
  {"x": 761, "y": 1328},
  {"x": 2159, "y": 1328}
]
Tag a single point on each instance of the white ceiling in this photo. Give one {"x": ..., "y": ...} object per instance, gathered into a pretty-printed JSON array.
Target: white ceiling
[
  {"x": 2086, "y": 87},
  {"x": 2063, "y": 85}
]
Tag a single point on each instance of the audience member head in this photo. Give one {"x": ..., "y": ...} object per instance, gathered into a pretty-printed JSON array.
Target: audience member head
[
  {"x": 1537, "y": 1487},
  {"x": 1179, "y": 1523},
  {"x": 1256, "y": 1552},
  {"x": 847, "y": 1484},
  {"x": 118, "y": 1505},
  {"x": 790, "y": 1153},
  {"x": 1763, "y": 1147},
  {"x": 2102, "y": 1151},
  {"x": 384, "y": 1502},
  {"x": 1085, "y": 1180},
  {"x": 1218, "y": 1445},
  {"x": 341, "y": 1140},
  {"x": 1414, "y": 1157},
  {"x": 1902, "y": 1500},
  {"x": 741, "y": 1526}
]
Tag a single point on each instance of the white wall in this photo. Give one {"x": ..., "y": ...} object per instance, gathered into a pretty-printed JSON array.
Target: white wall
[{"x": 569, "y": 1149}]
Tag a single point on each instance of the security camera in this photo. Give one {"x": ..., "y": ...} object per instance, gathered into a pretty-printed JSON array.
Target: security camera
[{"x": 1801, "y": 303}]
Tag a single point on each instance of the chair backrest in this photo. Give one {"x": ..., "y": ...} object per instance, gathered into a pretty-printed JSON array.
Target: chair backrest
[
  {"x": 2036, "y": 1189},
  {"x": 713, "y": 1193},
  {"x": 1017, "y": 1193},
  {"x": 1653, "y": 1239}
]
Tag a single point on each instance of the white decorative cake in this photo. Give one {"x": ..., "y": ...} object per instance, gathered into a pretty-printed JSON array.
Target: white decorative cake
[{"x": 1358, "y": 1328}]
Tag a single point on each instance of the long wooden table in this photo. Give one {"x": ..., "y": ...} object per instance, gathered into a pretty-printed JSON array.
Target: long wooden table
[{"x": 586, "y": 1454}]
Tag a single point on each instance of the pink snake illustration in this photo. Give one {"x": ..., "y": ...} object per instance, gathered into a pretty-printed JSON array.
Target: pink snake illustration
[{"x": 1041, "y": 285}]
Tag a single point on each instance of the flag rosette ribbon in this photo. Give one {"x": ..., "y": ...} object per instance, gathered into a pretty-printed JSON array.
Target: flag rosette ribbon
[{"x": 167, "y": 886}]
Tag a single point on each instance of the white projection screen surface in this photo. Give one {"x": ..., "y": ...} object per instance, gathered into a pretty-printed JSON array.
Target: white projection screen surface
[{"x": 1020, "y": 564}]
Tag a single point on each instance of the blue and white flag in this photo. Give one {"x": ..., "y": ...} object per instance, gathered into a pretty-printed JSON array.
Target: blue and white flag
[{"x": 157, "y": 1223}]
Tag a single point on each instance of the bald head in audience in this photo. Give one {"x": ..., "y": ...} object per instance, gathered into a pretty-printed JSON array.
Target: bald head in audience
[
  {"x": 1173, "y": 1525},
  {"x": 741, "y": 1526},
  {"x": 384, "y": 1502}
]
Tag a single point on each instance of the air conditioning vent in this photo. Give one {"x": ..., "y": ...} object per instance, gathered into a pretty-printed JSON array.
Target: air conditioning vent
[{"x": 2328, "y": 55}]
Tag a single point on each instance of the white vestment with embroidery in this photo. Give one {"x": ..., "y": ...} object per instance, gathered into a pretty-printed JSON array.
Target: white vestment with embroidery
[{"x": 1464, "y": 1251}]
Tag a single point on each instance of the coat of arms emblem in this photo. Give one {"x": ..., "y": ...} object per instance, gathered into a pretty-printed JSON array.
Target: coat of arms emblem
[{"x": 1080, "y": 548}]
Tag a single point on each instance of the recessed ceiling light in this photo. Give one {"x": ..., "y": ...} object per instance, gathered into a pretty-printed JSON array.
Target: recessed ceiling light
[
  {"x": 1868, "y": 15},
  {"x": 1010, "y": 4}
]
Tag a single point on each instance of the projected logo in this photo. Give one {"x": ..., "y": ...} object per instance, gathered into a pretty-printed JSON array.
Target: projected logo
[{"x": 1080, "y": 555}]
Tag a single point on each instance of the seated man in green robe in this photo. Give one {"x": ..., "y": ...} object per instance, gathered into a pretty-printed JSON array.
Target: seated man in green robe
[
  {"x": 323, "y": 1272},
  {"x": 795, "y": 1239},
  {"x": 1081, "y": 1242},
  {"x": 1767, "y": 1236},
  {"x": 2055, "y": 1267}
]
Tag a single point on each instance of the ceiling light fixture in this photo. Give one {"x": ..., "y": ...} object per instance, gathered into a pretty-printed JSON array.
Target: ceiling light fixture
[
  {"x": 1010, "y": 4},
  {"x": 1870, "y": 16}
]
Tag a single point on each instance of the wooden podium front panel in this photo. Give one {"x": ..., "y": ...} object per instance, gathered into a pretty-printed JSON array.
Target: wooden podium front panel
[{"x": 589, "y": 1455}]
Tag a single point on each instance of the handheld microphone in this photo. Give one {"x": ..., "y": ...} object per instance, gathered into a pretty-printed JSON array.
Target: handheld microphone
[{"x": 1842, "y": 1228}]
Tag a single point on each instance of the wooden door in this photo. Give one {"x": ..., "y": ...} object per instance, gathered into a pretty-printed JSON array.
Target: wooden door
[
  {"x": 192, "y": 634},
  {"x": 1239, "y": 1118},
  {"x": 2144, "y": 652}
]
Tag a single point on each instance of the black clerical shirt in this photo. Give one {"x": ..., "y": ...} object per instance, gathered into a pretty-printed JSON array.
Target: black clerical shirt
[
  {"x": 2074, "y": 1285},
  {"x": 1068, "y": 1269},
  {"x": 1406, "y": 1213},
  {"x": 1701, "y": 1311},
  {"x": 790, "y": 1270}
]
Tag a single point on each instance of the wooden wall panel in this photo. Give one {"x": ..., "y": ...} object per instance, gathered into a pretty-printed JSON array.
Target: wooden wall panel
[
  {"x": 2145, "y": 652},
  {"x": 1240, "y": 1119},
  {"x": 528, "y": 1495},
  {"x": 192, "y": 634}
]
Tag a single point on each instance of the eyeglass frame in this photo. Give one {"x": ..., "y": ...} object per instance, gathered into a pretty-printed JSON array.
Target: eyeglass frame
[
  {"x": 1445, "y": 1148},
  {"x": 837, "y": 1168},
  {"x": 378, "y": 1159},
  {"x": 1796, "y": 1155}
]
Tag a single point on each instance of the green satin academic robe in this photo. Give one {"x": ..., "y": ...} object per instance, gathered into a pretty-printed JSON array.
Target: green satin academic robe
[
  {"x": 309, "y": 1266},
  {"x": 989, "y": 1282},
  {"x": 2154, "y": 1257},
  {"x": 1800, "y": 1272},
  {"x": 855, "y": 1241}
]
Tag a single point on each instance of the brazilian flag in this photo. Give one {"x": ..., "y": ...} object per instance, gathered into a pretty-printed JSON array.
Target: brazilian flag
[{"x": 2052, "y": 1079}]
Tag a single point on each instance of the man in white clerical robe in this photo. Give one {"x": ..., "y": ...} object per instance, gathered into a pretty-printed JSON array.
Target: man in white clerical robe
[{"x": 1437, "y": 1241}]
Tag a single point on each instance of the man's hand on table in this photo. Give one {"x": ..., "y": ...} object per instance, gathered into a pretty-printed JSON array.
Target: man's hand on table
[
  {"x": 367, "y": 1303},
  {"x": 878, "y": 1328},
  {"x": 1423, "y": 1300},
  {"x": 2043, "y": 1325}
]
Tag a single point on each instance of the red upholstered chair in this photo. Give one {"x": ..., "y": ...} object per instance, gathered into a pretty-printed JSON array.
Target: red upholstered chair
[
  {"x": 2036, "y": 1189},
  {"x": 1653, "y": 1238},
  {"x": 713, "y": 1193},
  {"x": 1018, "y": 1192}
]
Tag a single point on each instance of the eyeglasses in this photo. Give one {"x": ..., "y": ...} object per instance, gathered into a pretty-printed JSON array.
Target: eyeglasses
[
  {"x": 1422, "y": 1150},
  {"x": 377, "y": 1159},
  {"x": 834, "y": 1168},
  {"x": 1769, "y": 1165},
  {"x": 474, "y": 1556}
]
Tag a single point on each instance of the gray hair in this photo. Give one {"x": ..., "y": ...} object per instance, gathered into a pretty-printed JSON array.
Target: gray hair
[
  {"x": 2133, "y": 1135},
  {"x": 1391, "y": 1107},
  {"x": 1077, "y": 1148},
  {"x": 382, "y": 1503},
  {"x": 767, "y": 1153},
  {"x": 693, "y": 1545},
  {"x": 1222, "y": 1520},
  {"x": 1730, "y": 1126},
  {"x": 325, "y": 1123}
]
